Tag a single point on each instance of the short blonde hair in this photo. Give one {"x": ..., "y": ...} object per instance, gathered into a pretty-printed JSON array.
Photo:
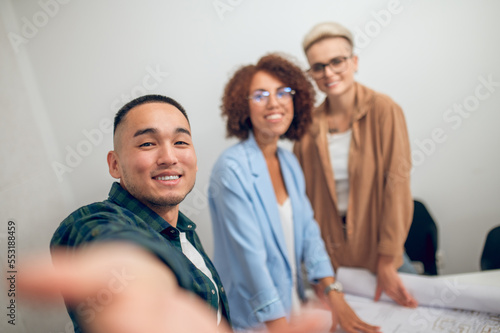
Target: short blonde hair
[{"x": 326, "y": 30}]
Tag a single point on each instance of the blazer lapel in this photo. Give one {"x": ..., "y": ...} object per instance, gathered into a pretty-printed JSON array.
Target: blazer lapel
[{"x": 265, "y": 192}]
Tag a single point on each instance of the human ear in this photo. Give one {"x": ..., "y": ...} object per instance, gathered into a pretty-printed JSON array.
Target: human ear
[
  {"x": 355, "y": 62},
  {"x": 114, "y": 167}
]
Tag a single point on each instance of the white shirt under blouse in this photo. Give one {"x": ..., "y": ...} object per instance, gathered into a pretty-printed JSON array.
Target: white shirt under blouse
[
  {"x": 338, "y": 145},
  {"x": 286, "y": 217}
]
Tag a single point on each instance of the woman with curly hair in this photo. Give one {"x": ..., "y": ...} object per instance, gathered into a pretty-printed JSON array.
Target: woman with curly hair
[{"x": 262, "y": 220}]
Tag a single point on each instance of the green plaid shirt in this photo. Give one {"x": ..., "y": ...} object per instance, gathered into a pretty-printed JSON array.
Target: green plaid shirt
[{"x": 124, "y": 218}]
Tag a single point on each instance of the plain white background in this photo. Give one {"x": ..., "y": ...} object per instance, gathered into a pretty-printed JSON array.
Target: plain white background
[{"x": 67, "y": 66}]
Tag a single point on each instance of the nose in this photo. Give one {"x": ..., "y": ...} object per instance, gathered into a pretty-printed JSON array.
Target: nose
[
  {"x": 167, "y": 156},
  {"x": 328, "y": 71},
  {"x": 272, "y": 101}
]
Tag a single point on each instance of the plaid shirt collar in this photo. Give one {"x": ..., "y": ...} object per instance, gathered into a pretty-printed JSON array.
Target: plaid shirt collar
[{"x": 121, "y": 197}]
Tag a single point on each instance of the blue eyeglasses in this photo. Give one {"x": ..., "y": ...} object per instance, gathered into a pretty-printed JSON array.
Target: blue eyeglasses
[{"x": 261, "y": 97}]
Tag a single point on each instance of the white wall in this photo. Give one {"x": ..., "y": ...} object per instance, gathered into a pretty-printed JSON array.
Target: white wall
[{"x": 67, "y": 69}]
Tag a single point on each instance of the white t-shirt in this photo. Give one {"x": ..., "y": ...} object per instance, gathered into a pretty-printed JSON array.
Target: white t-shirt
[
  {"x": 195, "y": 257},
  {"x": 338, "y": 145},
  {"x": 286, "y": 217}
]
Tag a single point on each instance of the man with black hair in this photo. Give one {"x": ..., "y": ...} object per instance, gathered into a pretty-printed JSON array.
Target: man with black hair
[{"x": 155, "y": 161}]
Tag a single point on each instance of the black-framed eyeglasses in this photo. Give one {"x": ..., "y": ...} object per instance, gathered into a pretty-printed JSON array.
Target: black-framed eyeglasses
[
  {"x": 337, "y": 65},
  {"x": 261, "y": 97}
]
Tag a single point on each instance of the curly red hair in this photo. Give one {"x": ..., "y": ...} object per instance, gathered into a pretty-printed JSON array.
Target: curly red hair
[{"x": 235, "y": 104}]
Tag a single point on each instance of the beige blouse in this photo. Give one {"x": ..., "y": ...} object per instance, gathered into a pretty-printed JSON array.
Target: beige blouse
[{"x": 380, "y": 205}]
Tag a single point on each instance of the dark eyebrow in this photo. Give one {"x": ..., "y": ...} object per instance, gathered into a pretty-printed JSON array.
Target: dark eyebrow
[
  {"x": 151, "y": 130},
  {"x": 182, "y": 130}
]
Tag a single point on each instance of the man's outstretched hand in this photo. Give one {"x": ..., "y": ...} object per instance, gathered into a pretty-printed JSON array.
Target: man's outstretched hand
[{"x": 124, "y": 289}]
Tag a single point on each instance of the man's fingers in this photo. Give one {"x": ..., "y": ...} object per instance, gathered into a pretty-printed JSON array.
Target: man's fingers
[
  {"x": 43, "y": 280},
  {"x": 38, "y": 281}
]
